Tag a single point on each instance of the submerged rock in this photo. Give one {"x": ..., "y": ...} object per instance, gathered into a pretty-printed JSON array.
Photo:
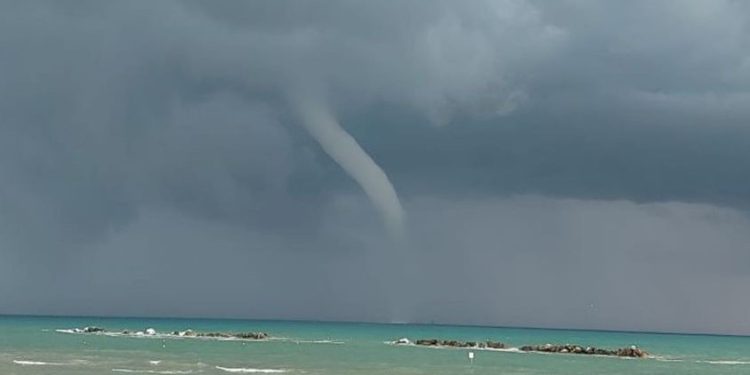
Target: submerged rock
[
  {"x": 402, "y": 341},
  {"x": 92, "y": 330}
]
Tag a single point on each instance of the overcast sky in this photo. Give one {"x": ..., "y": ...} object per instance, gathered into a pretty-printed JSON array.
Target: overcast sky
[{"x": 559, "y": 164}]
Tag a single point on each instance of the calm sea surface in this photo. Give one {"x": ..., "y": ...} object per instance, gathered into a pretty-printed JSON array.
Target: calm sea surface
[{"x": 32, "y": 345}]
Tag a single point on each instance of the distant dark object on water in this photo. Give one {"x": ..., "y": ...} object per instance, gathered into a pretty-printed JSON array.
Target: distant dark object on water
[
  {"x": 187, "y": 333},
  {"x": 632, "y": 352},
  {"x": 456, "y": 343}
]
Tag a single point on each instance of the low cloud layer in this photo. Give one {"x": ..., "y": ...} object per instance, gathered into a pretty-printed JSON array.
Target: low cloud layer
[{"x": 577, "y": 164}]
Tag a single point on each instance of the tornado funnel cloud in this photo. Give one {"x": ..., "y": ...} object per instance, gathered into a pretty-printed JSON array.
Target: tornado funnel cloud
[{"x": 344, "y": 150}]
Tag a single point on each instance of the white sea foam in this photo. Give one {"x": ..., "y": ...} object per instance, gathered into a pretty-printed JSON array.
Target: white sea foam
[
  {"x": 476, "y": 348},
  {"x": 154, "y": 362},
  {"x": 318, "y": 342},
  {"x": 666, "y": 359},
  {"x": 505, "y": 350},
  {"x": 734, "y": 363},
  {"x": 153, "y": 334},
  {"x": 136, "y": 371},
  {"x": 74, "y": 362},
  {"x": 246, "y": 370},
  {"x": 37, "y": 363}
]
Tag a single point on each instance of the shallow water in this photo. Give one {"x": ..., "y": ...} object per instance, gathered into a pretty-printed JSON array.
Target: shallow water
[{"x": 32, "y": 345}]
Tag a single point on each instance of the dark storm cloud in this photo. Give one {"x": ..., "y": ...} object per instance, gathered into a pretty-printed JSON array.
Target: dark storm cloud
[
  {"x": 111, "y": 103},
  {"x": 604, "y": 144}
]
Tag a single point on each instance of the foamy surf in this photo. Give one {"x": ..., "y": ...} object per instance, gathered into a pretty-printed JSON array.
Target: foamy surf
[
  {"x": 472, "y": 348},
  {"x": 666, "y": 359},
  {"x": 303, "y": 341},
  {"x": 333, "y": 342},
  {"x": 151, "y": 333},
  {"x": 136, "y": 371},
  {"x": 22, "y": 362},
  {"x": 724, "y": 362},
  {"x": 249, "y": 370},
  {"x": 37, "y": 363}
]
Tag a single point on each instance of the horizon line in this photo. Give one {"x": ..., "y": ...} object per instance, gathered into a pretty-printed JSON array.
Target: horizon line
[{"x": 344, "y": 321}]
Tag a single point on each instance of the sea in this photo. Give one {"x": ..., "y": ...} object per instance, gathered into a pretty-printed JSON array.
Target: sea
[{"x": 49, "y": 345}]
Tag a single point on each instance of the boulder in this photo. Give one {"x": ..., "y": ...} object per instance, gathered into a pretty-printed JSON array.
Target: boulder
[
  {"x": 495, "y": 345},
  {"x": 631, "y": 352},
  {"x": 252, "y": 335},
  {"x": 427, "y": 342}
]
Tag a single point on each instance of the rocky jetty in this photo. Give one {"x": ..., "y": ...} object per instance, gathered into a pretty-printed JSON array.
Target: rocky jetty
[
  {"x": 85, "y": 330},
  {"x": 187, "y": 333},
  {"x": 495, "y": 345},
  {"x": 227, "y": 335},
  {"x": 455, "y": 343},
  {"x": 631, "y": 352}
]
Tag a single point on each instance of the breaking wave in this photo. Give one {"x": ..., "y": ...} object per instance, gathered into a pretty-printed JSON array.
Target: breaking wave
[
  {"x": 152, "y": 334},
  {"x": 37, "y": 363},
  {"x": 726, "y": 362},
  {"x": 133, "y": 371},
  {"x": 42, "y": 363},
  {"x": 666, "y": 359},
  {"x": 710, "y": 362},
  {"x": 250, "y": 370},
  {"x": 473, "y": 348},
  {"x": 334, "y": 342}
]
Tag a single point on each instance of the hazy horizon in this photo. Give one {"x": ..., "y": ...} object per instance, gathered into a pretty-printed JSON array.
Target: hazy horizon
[
  {"x": 577, "y": 164},
  {"x": 355, "y": 322}
]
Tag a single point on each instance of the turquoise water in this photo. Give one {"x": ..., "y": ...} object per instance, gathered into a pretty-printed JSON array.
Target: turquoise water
[{"x": 30, "y": 345}]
